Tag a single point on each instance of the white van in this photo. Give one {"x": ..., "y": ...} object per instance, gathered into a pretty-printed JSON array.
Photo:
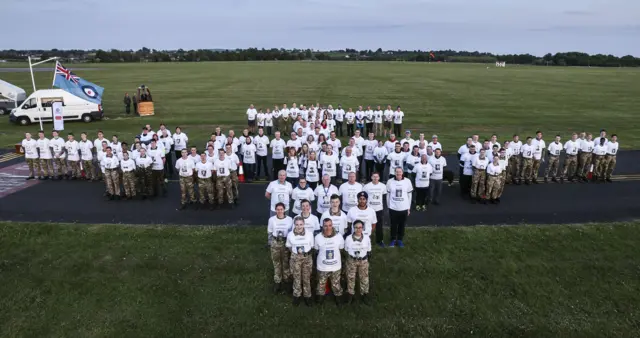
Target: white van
[{"x": 38, "y": 107}]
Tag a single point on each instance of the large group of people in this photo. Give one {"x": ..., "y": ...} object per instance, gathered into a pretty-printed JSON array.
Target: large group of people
[{"x": 326, "y": 198}]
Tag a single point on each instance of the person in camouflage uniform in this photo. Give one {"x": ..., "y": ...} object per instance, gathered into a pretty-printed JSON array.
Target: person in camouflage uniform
[
  {"x": 234, "y": 173},
  {"x": 128, "y": 169},
  {"x": 479, "y": 179},
  {"x": 205, "y": 185},
  {"x": 143, "y": 173},
  {"x": 279, "y": 253},
  {"x": 610, "y": 158},
  {"x": 599, "y": 160},
  {"x": 505, "y": 171},
  {"x": 358, "y": 248},
  {"x": 494, "y": 179},
  {"x": 223, "y": 186},
  {"x": 300, "y": 243},
  {"x": 329, "y": 233},
  {"x": 553, "y": 162},
  {"x": 187, "y": 193}
]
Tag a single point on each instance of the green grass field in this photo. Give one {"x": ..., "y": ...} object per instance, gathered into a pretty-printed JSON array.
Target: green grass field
[
  {"x": 452, "y": 100},
  {"x": 128, "y": 281}
]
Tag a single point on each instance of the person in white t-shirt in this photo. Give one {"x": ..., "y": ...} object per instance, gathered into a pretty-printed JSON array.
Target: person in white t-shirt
[
  {"x": 329, "y": 163},
  {"x": 349, "y": 164},
  {"x": 364, "y": 213},
  {"x": 553, "y": 151},
  {"x": 328, "y": 244},
  {"x": 300, "y": 243},
  {"x": 44, "y": 149},
  {"x": 396, "y": 159},
  {"x": 29, "y": 147},
  {"x": 278, "y": 228},
  {"x": 494, "y": 172},
  {"x": 338, "y": 115},
  {"x": 260, "y": 119},
  {"x": 301, "y": 192},
  {"x": 538, "y": 156},
  {"x": 180, "y": 141},
  {"x": 571, "y": 148},
  {"x": 377, "y": 121},
  {"x": 387, "y": 120},
  {"x": 610, "y": 158},
  {"x": 279, "y": 191},
  {"x": 358, "y": 249},
  {"x": 438, "y": 162},
  {"x": 376, "y": 191},
  {"x": 323, "y": 194},
  {"x": 398, "y": 115},
  {"x": 73, "y": 157},
  {"x": 339, "y": 217},
  {"x": 380, "y": 158},
  {"x": 424, "y": 171},
  {"x": 249, "y": 151},
  {"x": 204, "y": 170},
  {"x": 349, "y": 192},
  {"x": 399, "y": 192},
  {"x": 252, "y": 113}
]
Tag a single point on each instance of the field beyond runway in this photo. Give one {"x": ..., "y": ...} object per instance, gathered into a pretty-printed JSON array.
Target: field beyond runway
[
  {"x": 451, "y": 100},
  {"x": 73, "y": 280}
]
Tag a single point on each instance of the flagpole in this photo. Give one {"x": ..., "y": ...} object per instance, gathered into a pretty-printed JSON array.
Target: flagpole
[
  {"x": 54, "y": 74},
  {"x": 33, "y": 81}
]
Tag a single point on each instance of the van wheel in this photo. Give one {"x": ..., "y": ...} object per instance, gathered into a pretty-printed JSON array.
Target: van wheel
[
  {"x": 87, "y": 118},
  {"x": 24, "y": 121},
  {"x": 3, "y": 111}
]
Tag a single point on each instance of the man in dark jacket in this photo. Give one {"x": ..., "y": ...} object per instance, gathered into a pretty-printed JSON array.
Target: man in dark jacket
[
  {"x": 135, "y": 104},
  {"x": 127, "y": 103}
]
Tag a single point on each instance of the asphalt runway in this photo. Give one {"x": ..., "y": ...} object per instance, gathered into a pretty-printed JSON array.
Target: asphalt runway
[{"x": 82, "y": 202}]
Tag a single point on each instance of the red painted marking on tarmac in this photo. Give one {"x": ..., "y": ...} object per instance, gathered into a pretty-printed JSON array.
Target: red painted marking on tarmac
[{"x": 12, "y": 179}]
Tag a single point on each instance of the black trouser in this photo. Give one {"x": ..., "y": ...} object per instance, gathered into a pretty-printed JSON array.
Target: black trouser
[
  {"x": 397, "y": 129},
  {"x": 313, "y": 186},
  {"x": 127, "y": 109},
  {"x": 358, "y": 173},
  {"x": 293, "y": 181},
  {"x": 168, "y": 165},
  {"x": 157, "y": 182},
  {"x": 421, "y": 196},
  {"x": 135, "y": 108},
  {"x": 338, "y": 128},
  {"x": 249, "y": 170},
  {"x": 465, "y": 185},
  {"x": 269, "y": 130},
  {"x": 379, "y": 226},
  {"x": 349, "y": 129},
  {"x": 361, "y": 128},
  {"x": 262, "y": 162},
  {"x": 178, "y": 154},
  {"x": 380, "y": 171},
  {"x": 436, "y": 190},
  {"x": 398, "y": 222},
  {"x": 368, "y": 169},
  {"x": 369, "y": 129},
  {"x": 278, "y": 164}
]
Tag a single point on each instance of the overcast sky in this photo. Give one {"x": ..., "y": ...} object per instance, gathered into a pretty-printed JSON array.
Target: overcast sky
[{"x": 499, "y": 26}]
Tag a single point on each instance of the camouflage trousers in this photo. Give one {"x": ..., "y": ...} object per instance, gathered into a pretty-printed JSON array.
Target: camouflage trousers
[
  {"x": 129, "y": 183},
  {"x": 157, "y": 182},
  {"x": 493, "y": 186},
  {"x": 205, "y": 189},
  {"x": 570, "y": 166},
  {"x": 143, "y": 176},
  {"x": 552, "y": 167},
  {"x": 535, "y": 168},
  {"x": 74, "y": 167},
  {"x": 46, "y": 167},
  {"x": 186, "y": 190},
  {"x": 583, "y": 164},
  {"x": 112, "y": 180},
  {"x": 478, "y": 182},
  {"x": 95, "y": 168},
  {"x": 599, "y": 166},
  {"x": 610, "y": 164},
  {"x": 527, "y": 168},
  {"x": 503, "y": 181},
  {"x": 34, "y": 166},
  {"x": 514, "y": 169},
  {"x": 223, "y": 186},
  {"x": 334, "y": 278},
  {"x": 301, "y": 271},
  {"x": 89, "y": 171},
  {"x": 280, "y": 259},
  {"x": 357, "y": 269},
  {"x": 234, "y": 184},
  {"x": 61, "y": 165}
]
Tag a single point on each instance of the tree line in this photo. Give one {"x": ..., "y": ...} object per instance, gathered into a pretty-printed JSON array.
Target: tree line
[{"x": 254, "y": 54}]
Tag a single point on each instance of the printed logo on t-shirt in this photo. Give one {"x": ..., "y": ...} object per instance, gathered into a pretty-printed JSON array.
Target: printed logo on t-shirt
[{"x": 329, "y": 254}]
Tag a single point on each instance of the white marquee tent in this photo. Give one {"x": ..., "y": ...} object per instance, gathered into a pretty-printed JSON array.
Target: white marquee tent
[{"x": 12, "y": 92}]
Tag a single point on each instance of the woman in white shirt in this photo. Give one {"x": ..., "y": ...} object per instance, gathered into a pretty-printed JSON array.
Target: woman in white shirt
[
  {"x": 249, "y": 150},
  {"x": 278, "y": 228},
  {"x": 423, "y": 171},
  {"x": 300, "y": 242},
  {"x": 300, "y": 193},
  {"x": 399, "y": 191},
  {"x": 312, "y": 171},
  {"x": 292, "y": 167},
  {"x": 303, "y": 157}
]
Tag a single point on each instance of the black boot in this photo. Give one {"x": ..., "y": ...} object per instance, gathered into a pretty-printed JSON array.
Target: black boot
[
  {"x": 319, "y": 299},
  {"x": 365, "y": 299},
  {"x": 546, "y": 180},
  {"x": 338, "y": 301},
  {"x": 348, "y": 299},
  {"x": 296, "y": 301},
  {"x": 308, "y": 301},
  {"x": 277, "y": 287}
]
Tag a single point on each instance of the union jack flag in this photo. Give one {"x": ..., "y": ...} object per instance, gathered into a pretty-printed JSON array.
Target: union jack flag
[{"x": 68, "y": 75}]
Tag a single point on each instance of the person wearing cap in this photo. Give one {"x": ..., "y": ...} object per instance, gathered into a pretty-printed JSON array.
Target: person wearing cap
[
  {"x": 358, "y": 249},
  {"x": 300, "y": 242},
  {"x": 434, "y": 143},
  {"x": 278, "y": 228},
  {"x": 399, "y": 191},
  {"x": 364, "y": 213},
  {"x": 407, "y": 139},
  {"x": 328, "y": 245},
  {"x": 438, "y": 162},
  {"x": 398, "y": 115}
]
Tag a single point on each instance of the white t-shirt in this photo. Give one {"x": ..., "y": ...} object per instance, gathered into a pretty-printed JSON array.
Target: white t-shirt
[
  {"x": 348, "y": 164},
  {"x": 279, "y": 227},
  {"x": 376, "y": 193},
  {"x": 494, "y": 170},
  {"x": 301, "y": 194},
  {"x": 349, "y": 193},
  {"x": 312, "y": 173},
  {"x": 329, "y": 258},
  {"x": 45, "y": 148},
  {"x": 280, "y": 193},
  {"x": 323, "y": 195},
  {"x": 398, "y": 194},
  {"x": 571, "y": 147},
  {"x": 538, "y": 145},
  {"x": 380, "y": 155},
  {"x": 468, "y": 159},
  {"x": 31, "y": 148},
  {"x": 261, "y": 143},
  {"x": 515, "y": 147},
  {"x": 336, "y": 144},
  {"x": 396, "y": 160},
  {"x": 292, "y": 168},
  {"x": 249, "y": 153},
  {"x": 297, "y": 144},
  {"x": 358, "y": 249},
  {"x": 600, "y": 149},
  {"x": 527, "y": 150},
  {"x": 586, "y": 146},
  {"x": 398, "y": 116},
  {"x": 204, "y": 169},
  {"x": 555, "y": 149},
  {"x": 423, "y": 173},
  {"x": 158, "y": 163},
  {"x": 480, "y": 163},
  {"x": 311, "y": 223},
  {"x": 277, "y": 148},
  {"x": 251, "y": 114},
  {"x": 127, "y": 165},
  {"x": 58, "y": 147},
  {"x": 180, "y": 141},
  {"x": 339, "y": 220},
  {"x": 72, "y": 150},
  {"x": 85, "y": 150},
  {"x": 260, "y": 117},
  {"x": 377, "y": 116},
  {"x": 329, "y": 164},
  {"x": 612, "y": 147},
  {"x": 338, "y": 114},
  {"x": 222, "y": 167},
  {"x": 438, "y": 165},
  {"x": 388, "y": 115},
  {"x": 300, "y": 244},
  {"x": 368, "y": 216},
  {"x": 369, "y": 147},
  {"x": 185, "y": 167}
]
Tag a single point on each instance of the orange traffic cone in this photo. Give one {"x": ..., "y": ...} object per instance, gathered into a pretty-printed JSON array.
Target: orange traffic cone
[
  {"x": 240, "y": 173},
  {"x": 82, "y": 173},
  {"x": 590, "y": 173}
]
